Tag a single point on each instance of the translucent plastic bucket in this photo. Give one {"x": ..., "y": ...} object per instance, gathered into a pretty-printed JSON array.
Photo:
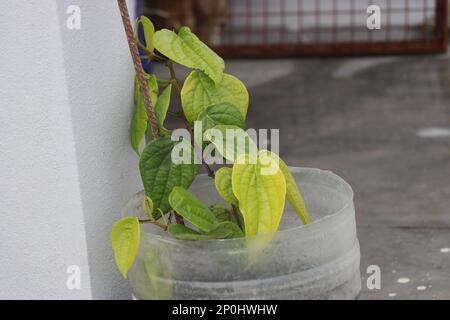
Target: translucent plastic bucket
[{"x": 317, "y": 261}]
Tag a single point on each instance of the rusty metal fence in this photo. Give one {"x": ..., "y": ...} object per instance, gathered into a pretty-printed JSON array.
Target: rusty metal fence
[{"x": 282, "y": 28}]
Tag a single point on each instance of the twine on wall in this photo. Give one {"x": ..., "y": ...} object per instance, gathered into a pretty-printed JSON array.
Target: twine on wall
[{"x": 143, "y": 88}]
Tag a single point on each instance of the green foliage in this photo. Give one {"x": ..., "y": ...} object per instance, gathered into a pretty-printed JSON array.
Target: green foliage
[
  {"x": 231, "y": 141},
  {"x": 125, "y": 237},
  {"x": 256, "y": 187},
  {"x": 161, "y": 109},
  {"x": 223, "y": 113},
  {"x": 182, "y": 232},
  {"x": 149, "y": 31},
  {"x": 186, "y": 49},
  {"x": 221, "y": 212},
  {"x": 227, "y": 230},
  {"x": 200, "y": 92},
  {"x": 260, "y": 187},
  {"x": 139, "y": 121},
  {"x": 160, "y": 175},
  {"x": 222, "y": 181},
  {"x": 292, "y": 192},
  {"x": 192, "y": 209}
]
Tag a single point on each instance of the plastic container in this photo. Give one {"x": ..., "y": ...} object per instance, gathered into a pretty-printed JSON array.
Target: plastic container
[{"x": 317, "y": 261}]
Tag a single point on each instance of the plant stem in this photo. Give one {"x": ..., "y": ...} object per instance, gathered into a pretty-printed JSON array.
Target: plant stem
[
  {"x": 156, "y": 223},
  {"x": 150, "y": 54},
  {"x": 173, "y": 77},
  {"x": 174, "y": 80},
  {"x": 179, "y": 219}
]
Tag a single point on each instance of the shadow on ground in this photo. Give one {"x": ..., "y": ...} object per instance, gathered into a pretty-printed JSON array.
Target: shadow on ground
[
  {"x": 364, "y": 119},
  {"x": 383, "y": 125}
]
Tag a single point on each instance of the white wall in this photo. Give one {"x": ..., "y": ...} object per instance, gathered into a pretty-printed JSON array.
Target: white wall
[{"x": 66, "y": 165}]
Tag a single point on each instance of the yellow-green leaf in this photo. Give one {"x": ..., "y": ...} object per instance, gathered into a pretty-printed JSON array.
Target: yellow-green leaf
[
  {"x": 125, "y": 236},
  {"x": 162, "y": 107},
  {"x": 293, "y": 194},
  {"x": 186, "y": 49},
  {"x": 260, "y": 187},
  {"x": 231, "y": 141},
  {"x": 149, "y": 31},
  {"x": 222, "y": 181},
  {"x": 200, "y": 92},
  {"x": 139, "y": 122}
]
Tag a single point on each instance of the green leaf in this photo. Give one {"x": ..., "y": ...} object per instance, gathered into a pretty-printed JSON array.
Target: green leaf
[
  {"x": 226, "y": 230},
  {"x": 160, "y": 174},
  {"x": 162, "y": 107},
  {"x": 218, "y": 114},
  {"x": 149, "y": 31},
  {"x": 186, "y": 49},
  {"x": 221, "y": 212},
  {"x": 200, "y": 92},
  {"x": 260, "y": 187},
  {"x": 138, "y": 126},
  {"x": 152, "y": 82},
  {"x": 222, "y": 181},
  {"x": 125, "y": 236},
  {"x": 231, "y": 141},
  {"x": 293, "y": 194},
  {"x": 223, "y": 113},
  {"x": 192, "y": 209},
  {"x": 182, "y": 232},
  {"x": 139, "y": 121}
]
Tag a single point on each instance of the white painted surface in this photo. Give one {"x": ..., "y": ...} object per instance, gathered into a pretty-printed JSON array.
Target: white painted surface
[{"x": 66, "y": 165}]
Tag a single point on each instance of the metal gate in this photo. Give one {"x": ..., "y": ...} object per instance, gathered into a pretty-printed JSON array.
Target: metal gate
[{"x": 282, "y": 28}]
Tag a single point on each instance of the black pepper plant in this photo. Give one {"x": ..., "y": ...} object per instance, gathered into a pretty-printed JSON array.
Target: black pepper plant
[{"x": 213, "y": 103}]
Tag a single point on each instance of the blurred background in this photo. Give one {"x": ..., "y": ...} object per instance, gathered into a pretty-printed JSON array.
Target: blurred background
[{"x": 371, "y": 105}]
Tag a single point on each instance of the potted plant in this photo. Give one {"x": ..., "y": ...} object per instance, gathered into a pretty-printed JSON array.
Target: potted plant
[{"x": 243, "y": 231}]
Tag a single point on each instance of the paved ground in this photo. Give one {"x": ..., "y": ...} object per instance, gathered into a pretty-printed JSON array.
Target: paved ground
[{"x": 383, "y": 124}]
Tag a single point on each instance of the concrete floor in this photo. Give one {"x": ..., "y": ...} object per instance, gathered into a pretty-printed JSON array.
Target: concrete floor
[{"x": 383, "y": 124}]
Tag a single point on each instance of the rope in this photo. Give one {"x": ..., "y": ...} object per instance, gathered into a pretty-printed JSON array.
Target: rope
[{"x": 138, "y": 67}]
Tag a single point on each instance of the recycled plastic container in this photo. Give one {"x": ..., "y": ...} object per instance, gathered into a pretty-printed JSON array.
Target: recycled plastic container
[{"x": 315, "y": 261}]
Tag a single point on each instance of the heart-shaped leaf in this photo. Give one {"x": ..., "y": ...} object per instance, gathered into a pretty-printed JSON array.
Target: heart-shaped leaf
[
  {"x": 231, "y": 141},
  {"x": 139, "y": 121},
  {"x": 160, "y": 174},
  {"x": 260, "y": 187},
  {"x": 186, "y": 49},
  {"x": 223, "y": 113},
  {"x": 192, "y": 209},
  {"x": 125, "y": 237},
  {"x": 200, "y": 92},
  {"x": 218, "y": 114},
  {"x": 222, "y": 181}
]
